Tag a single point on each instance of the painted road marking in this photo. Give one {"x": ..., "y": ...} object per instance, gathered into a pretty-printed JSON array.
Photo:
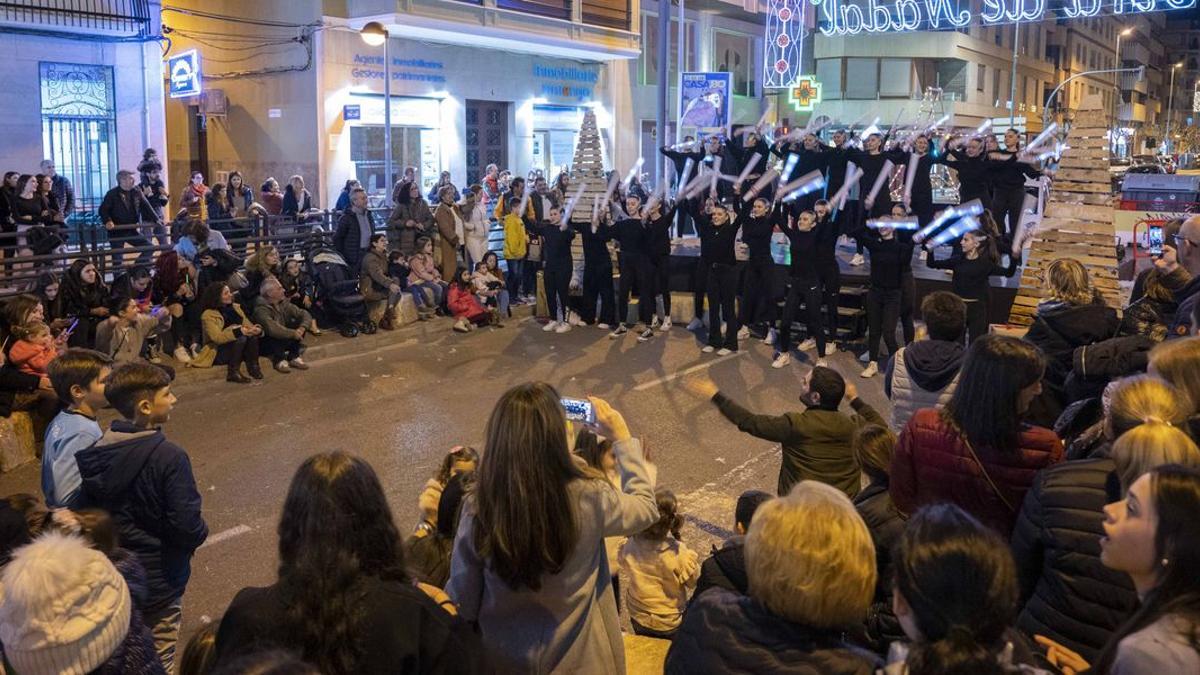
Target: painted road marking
[
  {"x": 226, "y": 534},
  {"x": 686, "y": 371}
]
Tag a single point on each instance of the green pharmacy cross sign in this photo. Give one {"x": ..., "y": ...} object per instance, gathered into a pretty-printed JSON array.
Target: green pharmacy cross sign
[{"x": 805, "y": 94}]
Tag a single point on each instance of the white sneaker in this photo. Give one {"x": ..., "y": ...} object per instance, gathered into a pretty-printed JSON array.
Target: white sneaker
[
  {"x": 743, "y": 332},
  {"x": 181, "y": 355},
  {"x": 858, "y": 259},
  {"x": 656, "y": 323},
  {"x": 573, "y": 319},
  {"x": 695, "y": 324},
  {"x": 865, "y": 357},
  {"x": 871, "y": 370},
  {"x": 646, "y": 335},
  {"x": 665, "y": 325},
  {"x": 283, "y": 367},
  {"x": 620, "y": 330},
  {"x": 782, "y": 360},
  {"x": 821, "y": 363},
  {"x": 563, "y": 327},
  {"x": 724, "y": 351},
  {"x": 553, "y": 325},
  {"x": 808, "y": 345},
  {"x": 708, "y": 349},
  {"x": 298, "y": 363},
  {"x": 772, "y": 334},
  {"x": 602, "y": 326}
]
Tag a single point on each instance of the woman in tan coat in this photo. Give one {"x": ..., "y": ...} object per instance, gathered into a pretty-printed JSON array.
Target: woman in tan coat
[
  {"x": 449, "y": 218},
  {"x": 230, "y": 338}
]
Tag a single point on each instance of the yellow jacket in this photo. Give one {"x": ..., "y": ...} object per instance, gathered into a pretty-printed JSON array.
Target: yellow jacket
[
  {"x": 516, "y": 241},
  {"x": 216, "y": 334}
]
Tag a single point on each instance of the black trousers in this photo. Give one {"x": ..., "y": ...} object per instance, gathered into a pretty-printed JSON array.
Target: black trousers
[
  {"x": 700, "y": 287},
  {"x": 598, "y": 285},
  {"x": 1007, "y": 204},
  {"x": 922, "y": 208},
  {"x": 883, "y": 311},
  {"x": 242, "y": 350},
  {"x": 556, "y": 278},
  {"x": 830, "y": 277},
  {"x": 757, "y": 303},
  {"x": 846, "y": 219},
  {"x": 635, "y": 268},
  {"x": 661, "y": 275},
  {"x": 722, "y": 291},
  {"x": 977, "y": 319},
  {"x": 278, "y": 349},
  {"x": 908, "y": 294},
  {"x": 809, "y": 291}
]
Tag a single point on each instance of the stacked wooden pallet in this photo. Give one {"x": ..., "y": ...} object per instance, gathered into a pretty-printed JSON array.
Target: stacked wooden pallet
[
  {"x": 1078, "y": 221},
  {"x": 587, "y": 169}
]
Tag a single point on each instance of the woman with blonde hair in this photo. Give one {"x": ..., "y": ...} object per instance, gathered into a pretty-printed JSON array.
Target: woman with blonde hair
[
  {"x": 811, "y": 567},
  {"x": 1072, "y": 315},
  {"x": 1057, "y": 538},
  {"x": 1178, "y": 362}
]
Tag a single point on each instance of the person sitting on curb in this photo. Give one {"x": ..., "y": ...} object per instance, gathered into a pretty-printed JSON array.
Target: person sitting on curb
[
  {"x": 283, "y": 325},
  {"x": 816, "y": 442},
  {"x": 123, "y": 334}
]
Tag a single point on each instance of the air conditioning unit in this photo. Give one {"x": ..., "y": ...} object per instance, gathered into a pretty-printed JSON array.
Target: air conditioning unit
[{"x": 213, "y": 103}]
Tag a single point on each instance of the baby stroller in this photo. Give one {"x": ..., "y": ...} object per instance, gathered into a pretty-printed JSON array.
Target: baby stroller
[{"x": 336, "y": 298}]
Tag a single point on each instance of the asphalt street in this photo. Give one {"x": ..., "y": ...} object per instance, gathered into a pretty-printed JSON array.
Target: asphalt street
[{"x": 402, "y": 399}]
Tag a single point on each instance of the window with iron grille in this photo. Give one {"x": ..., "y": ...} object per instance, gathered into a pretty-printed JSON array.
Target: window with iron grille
[{"x": 79, "y": 127}]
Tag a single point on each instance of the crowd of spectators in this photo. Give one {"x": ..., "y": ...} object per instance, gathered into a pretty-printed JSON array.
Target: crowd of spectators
[{"x": 1028, "y": 507}]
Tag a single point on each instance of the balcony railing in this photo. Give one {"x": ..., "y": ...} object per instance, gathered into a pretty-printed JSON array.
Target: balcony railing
[
  {"x": 121, "y": 17},
  {"x": 555, "y": 9},
  {"x": 610, "y": 13}
]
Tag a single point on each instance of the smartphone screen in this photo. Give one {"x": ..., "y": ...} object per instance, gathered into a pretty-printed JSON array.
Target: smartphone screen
[
  {"x": 1156, "y": 240},
  {"x": 579, "y": 409}
]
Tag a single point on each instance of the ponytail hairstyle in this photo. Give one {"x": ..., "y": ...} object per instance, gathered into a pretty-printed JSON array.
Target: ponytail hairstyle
[
  {"x": 1142, "y": 399},
  {"x": 1150, "y": 445},
  {"x": 458, "y": 454},
  {"x": 1175, "y": 492},
  {"x": 669, "y": 518},
  {"x": 960, "y": 582}
]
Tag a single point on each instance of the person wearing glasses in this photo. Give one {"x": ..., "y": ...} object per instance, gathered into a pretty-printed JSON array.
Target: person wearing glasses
[{"x": 1187, "y": 255}]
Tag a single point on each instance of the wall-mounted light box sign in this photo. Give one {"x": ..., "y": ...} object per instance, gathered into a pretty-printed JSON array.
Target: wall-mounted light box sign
[
  {"x": 849, "y": 17},
  {"x": 184, "y": 71},
  {"x": 351, "y": 112}
]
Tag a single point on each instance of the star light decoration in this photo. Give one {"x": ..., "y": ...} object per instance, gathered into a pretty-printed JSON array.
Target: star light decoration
[
  {"x": 805, "y": 94},
  {"x": 784, "y": 42}
]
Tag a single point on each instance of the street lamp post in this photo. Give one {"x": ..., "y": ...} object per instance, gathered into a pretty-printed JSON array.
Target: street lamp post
[
  {"x": 1170, "y": 107},
  {"x": 374, "y": 34},
  {"x": 1117, "y": 95}
]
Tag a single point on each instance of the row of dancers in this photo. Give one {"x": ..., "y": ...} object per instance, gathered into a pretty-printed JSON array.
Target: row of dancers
[{"x": 736, "y": 217}]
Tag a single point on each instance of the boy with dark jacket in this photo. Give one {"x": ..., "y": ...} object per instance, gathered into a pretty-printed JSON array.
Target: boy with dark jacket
[
  {"x": 726, "y": 567},
  {"x": 816, "y": 442},
  {"x": 145, "y": 482}
]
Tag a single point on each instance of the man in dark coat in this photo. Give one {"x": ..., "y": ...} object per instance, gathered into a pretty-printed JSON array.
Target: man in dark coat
[
  {"x": 123, "y": 208},
  {"x": 816, "y": 442},
  {"x": 145, "y": 482},
  {"x": 354, "y": 230}
]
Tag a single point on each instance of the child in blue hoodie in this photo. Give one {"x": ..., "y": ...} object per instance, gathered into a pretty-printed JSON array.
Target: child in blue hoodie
[
  {"x": 77, "y": 376},
  {"x": 146, "y": 483}
]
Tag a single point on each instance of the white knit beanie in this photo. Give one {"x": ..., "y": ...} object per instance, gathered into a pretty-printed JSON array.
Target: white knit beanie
[{"x": 65, "y": 608}]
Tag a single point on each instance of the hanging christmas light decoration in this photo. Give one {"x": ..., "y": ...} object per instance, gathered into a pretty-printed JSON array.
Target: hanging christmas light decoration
[{"x": 784, "y": 43}]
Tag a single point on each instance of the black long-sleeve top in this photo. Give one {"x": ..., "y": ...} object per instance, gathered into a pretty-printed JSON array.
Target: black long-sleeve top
[
  {"x": 556, "y": 248},
  {"x": 123, "y": 207},
  {"x": 660, "y": 232},
  {"x": 742, "y": 155},
  {"x": 632, "y": 235},
  {"x": 890, "y": 258},
  {"x": 595, "y": 244},
  {"x": 872, "y": 165},
  {"x": 827, "y": 236},
  {"x": 810, "y": 160},
  {"x": 922, "y": 189},
  {"x": 974, "y": 175},
  {"x": 756, "y": 232},
  {"x": 803, "y": 251},
  {"x": 1010, "y": 174},
  {"x": 716, "y": 242},
  {"x": 836, "y": 159},
  {"x": 679, "y": 159},
  {"x": 971, "y": 275}
]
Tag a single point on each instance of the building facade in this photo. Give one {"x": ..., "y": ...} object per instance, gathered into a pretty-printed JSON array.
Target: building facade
[{"x": 82, "y": 87}]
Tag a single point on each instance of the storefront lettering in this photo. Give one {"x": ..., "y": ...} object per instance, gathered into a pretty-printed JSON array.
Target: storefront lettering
[
  {"x": 849, "y": 17},
  {"x": 374, "y": 69}
]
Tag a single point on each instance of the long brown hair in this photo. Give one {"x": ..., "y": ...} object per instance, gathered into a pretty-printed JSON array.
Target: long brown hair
[{"x": 525, "y": 515}]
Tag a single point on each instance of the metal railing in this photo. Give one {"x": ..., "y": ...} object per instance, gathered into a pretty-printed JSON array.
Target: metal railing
[{"x": 128, "y": 17}]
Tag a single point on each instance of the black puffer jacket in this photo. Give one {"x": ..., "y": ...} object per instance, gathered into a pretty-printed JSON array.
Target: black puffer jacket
[
  {"x": 886, "y": 524},
  {"x": 1070, "y": 596},
  {"x": 1058, "y": 330},
  {"x": 727, "y": 633},
  {"x": 1094, "y": 366},
  {"x": 725, "y": 568}
]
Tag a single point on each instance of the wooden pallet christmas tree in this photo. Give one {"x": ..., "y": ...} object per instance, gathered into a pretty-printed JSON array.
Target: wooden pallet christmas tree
[
  {"x": 587, "y": 168},
  {"x": 1078, "y": 221}
]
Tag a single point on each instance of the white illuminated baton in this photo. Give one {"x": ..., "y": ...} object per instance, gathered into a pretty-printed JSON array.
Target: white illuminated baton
[
  {"x": 595, "y": 213},
  {"x": 853, "y": 175},
  {"x": 762, "y": 182},
  {"x": 696, "y": 186},
  {"x": 633, "y": 171},
  {"x": 884, "y": 174},
  {"x": 570, "y": 206},
  {"x": 612, "y": 187},
  {"x": 789, "y": 165},
  {"x": 716, "y": 174},
  {"x": 905, "y": 223},
  {"x": 754, "y": 160},
  {"x": 655, "y": 198},
  {"x": 983, "y": 128},
  {"x": 940, "y": 122},
  {"x": 688, "y": 166},
  {"x": 806, "y": 184},
  {"x": 1041, "y": 138},
  {"x": 524, "y": 202},
  {"x": 967, "y": 224}
]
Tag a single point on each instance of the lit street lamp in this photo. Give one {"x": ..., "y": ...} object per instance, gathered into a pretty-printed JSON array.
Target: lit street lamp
[
  {"x": 374, "y": 34},
  {"x": 1117, "y": 98},
  {"x": 1170, "y": 106}
]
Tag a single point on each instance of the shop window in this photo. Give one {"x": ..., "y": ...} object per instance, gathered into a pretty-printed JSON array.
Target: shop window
[
  {"x": 366, "y": 152},
  {"x": 895, "y": 78},
  {"x": 829, "y": 74},
  {"x": 862, "y": 79},
  {"x": 648, "y": 61},
  {"x": 79, "y": 130},
  {"x": 980, "y": 77},
  {"x": 734, "y": 53}
]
